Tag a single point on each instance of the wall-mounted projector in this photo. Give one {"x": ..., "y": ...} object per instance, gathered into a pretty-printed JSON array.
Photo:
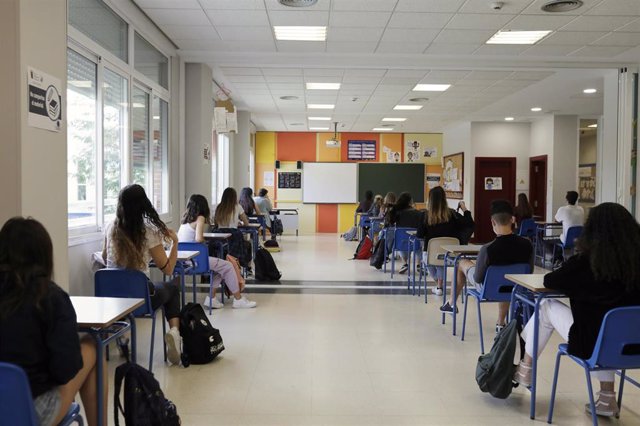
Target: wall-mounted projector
[{"x": 334, "y": 142}]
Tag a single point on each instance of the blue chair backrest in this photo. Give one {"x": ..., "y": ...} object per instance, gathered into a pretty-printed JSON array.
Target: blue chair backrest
[
  {"x": 401, "y": 238},
  {"x": 201, "y": 261},
  {"x": 573, "y": 234},
  {"x": 365, "y": 221},
  {"x": 618, "y": 344},
  {"x": 16, "y": 403},
  {"x": 527, "y": 228},
  {"x": 115, "y": 282},
  {"x": 496, "y": 287}
]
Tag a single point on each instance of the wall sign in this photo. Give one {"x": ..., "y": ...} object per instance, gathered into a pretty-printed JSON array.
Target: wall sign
[
  {"x": 361, "y": 150},
  {"x": 453, "y": 175},
  {"x": 45, "y": 100},
  {"x": 289, "y": 180}
]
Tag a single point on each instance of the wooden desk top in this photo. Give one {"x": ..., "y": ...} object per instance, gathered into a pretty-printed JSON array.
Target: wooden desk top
[
  {"x": 185, "y": 255},
  {"x": 533, "y": 282},
  {"x": 459, "y": 249},
  {"x": 101, "y": 312},
  {"x": 217, "y": 235}
]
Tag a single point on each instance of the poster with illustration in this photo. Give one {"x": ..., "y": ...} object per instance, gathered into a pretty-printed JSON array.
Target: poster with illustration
[
  {"x": 453, "y": 175},
  {"x": 423, "y": 148},
  {"x": 587, "y": 183},
  {"x": 391, "y": 156},
  {"x": 493, "y": 183}
]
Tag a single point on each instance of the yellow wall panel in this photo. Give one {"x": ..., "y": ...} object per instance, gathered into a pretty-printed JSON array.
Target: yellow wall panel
[
  {"x": 325, "y": 154},
  {"x": 265, "y": 147},
  {"x": 307, "y": 216},
  {"x": 389, "y": 144},
  {"x": 345, "y": 216},
  {"x": 261, "y": 168}
]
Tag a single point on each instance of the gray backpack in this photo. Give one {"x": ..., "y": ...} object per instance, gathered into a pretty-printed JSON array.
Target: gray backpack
[{"x": 494, "y": 372}]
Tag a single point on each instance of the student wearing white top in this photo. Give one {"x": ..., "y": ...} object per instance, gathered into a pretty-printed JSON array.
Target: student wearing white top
[
  {"x": 229, "y": 212},
  {"x": 194, "y": 221},
  {"x": 570, "y": 215},
  {"x": 263, "y": 203}
]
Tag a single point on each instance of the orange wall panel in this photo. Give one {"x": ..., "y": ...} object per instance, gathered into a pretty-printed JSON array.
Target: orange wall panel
[
  {"x": 296, "y": 146},
  {"x": 329, "y": 155},
  {"x": 327, "y": 218},
  {"x": 345, "y": 137}
]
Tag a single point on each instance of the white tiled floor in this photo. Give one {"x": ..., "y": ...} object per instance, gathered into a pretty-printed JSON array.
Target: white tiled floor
[{"x": 337, "y": 360}]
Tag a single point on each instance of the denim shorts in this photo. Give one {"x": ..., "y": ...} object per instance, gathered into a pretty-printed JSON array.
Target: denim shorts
[
  {"x": 47, "y": 406},
  {"x": 470, "y": 272}
]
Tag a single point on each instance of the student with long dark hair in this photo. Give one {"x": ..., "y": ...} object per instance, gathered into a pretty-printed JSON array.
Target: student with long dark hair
[
  {"x": 137, "y": 236},
  {"x": 604, "y": 275},
  {"x": 523, "y": 209},
  {"x": 38, "y": 328},
  {"x": 228, "y": 211},
  {"x": 441, "y": 221},
  {"x": 366, "y": 203},
  {"x": 196, "y": 218},
  {"x": 247, "y": 202},
  {"x": 402, "y": 215},
  {"x": 388, "y": 202}
]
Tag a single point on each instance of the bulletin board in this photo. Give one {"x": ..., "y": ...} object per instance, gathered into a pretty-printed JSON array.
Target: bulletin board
[
  {"x": 453, "y": 175},
  {"x": 289, "y": 180}
]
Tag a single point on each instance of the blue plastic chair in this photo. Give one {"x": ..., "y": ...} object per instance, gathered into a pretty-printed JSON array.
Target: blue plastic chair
[
  {"x": 16, "y": 402},
  {"x": 573, "y": 234},
  {"x": 200, "y": 267},
  {"x": 400, "y": 243},
  {"x": 528, "y": 229},
  {"x": 496, "y": 288},
  {"x": 114, "y": 282},
  {"x": 616, "y": 349}
]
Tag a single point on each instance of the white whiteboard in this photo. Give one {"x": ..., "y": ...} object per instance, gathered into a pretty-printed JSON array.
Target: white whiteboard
[{"x": 330, "y": 183}]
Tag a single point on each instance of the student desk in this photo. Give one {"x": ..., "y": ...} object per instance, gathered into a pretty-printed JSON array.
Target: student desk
[
  {"x": 453, "y": 255},
  {"x": 221, "y": 237},
  {"x": 253, "y": 230},
  {"x": 183, "y": 257},
  {"x": 544, "y": 232},
  {"x": 99, "y": 317},
  {"x": 289, "y": 218},
  {"x": 415, "y": 247},
  {"x": 530, "y": 290}
]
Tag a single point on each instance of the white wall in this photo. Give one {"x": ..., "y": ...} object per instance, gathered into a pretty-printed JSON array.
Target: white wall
[
  {"x": 588, "y": 153},
  {"x": 542, "y": 144},
  {"x": 607, "y": 168},
  {"x": 565, "y": 152},
  {"x": 240, "y": 147}
]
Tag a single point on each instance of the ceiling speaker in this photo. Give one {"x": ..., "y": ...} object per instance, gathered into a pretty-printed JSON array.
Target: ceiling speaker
[
  {"x": 556, "y": 6},
  {"x": 298, "y": 3}
]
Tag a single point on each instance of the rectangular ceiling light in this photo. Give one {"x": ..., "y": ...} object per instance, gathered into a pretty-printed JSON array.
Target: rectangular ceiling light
[
  {"x": 323, "y": 86},
  {"x": 319, "y": 118},
  {"x": 431, "y": 87},
  {"x": 318, "y": 128},
  {"x": 407, "y": 107},
  {"x": 394, "y": 119},
  {"x": 320, "y": 106},
  {"x": 300, "y": 33},
  {"x": 382, "y": 129},
  {"x": 517, "y": 37}
]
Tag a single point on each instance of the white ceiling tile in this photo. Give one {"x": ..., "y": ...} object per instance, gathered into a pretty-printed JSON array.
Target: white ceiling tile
[
  {"x": 419, "y": 20},
  {"x": 285, "y": 86},
  {"x": 241, "y": 71},
  {"x": 572, "y": 38},
  {"x": 510, "y": 7},
  {"x": 619, "y": 39},
  {"x": 351, "y": 46},
  {"x": 362, "y": 5},
  {"x": 168, "y": 4},
  {"x": 530, "y": 75},
  {"x": 399, "y": 80},
  {"x": 617, "y": 7},
  {"x": 359, "y": 19},
  {"x": 321, "y": 99},
  {"x": 468, "y": 21},
  {"x": 448, "y": 75},
  {"x": 320, "y": 6},
  {"x": 535, "y": 8},
  {"x": 600, "y": 51},
  {"x": 597, "y": 23},
  {"x": 243, "y": 46},
  {"x": 364, "y": 72},
  {"x": 324, "y": 72},
  {"x": 178, "y": 16},
  {"x": 463, "y": 37},
  {"x": 299, "y": 18},
  {"x": 406, "y": 73},
  {"x": 284, "y": 79},
  {"x": 542, "y": 50},
  {"x": 238, "y": 17},
  {"x": 409, "y": 35},
  {"x": 194, "y": 44},
  {"x": 281, "y": 71},
  {"x": 633, "y": 26},
  {"x": 245, "y": 33},
  {"x": 495, "y": 49},
  {"x": 191, "y": 32},
  {"x": 233, "y": 4},
  {"x": 401, "y": 47},
  {"x": 301, "y": 46},
  {"x": 429, "y": 5},
  {"x": 538, "y": 22},
  {"x": 488, "y": 75},
  {"x": 251, "y": 86},
  {"x": 353, "y": 81},
  {"x": 451, "y": 49},
  {"x": 246, "y": 78},
  {"x": 354, "y": 34}
]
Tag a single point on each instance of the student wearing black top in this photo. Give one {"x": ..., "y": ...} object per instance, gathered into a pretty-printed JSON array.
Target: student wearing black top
[
  {"x": 603, "y": 276},
  {"x": 523, "y": 210},
  {"x": 402, "y": 215},
  {"x": 506, "y": 249},
  {"x": 248, "y": 204},
  {"x": 38, "y": 329},
  {"x": 441, "y": 221},
  {"x": 365, "y": 205}
]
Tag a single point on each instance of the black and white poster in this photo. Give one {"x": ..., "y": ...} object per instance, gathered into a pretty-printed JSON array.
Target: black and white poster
[{"x": 45, "y": 100}]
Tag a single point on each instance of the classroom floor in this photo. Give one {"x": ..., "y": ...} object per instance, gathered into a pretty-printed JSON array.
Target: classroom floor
[{"x": 312, "y": 358}]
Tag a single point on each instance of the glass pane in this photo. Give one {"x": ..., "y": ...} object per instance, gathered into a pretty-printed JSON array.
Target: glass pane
[
  {"x": 160, "y": 155},
  {"x": 98, "y": 22},
  {"x": 140, "y": 145},
  {"x": 115, "y": 118},
  {"x": 150, "y": 62},
  {"x": 81, "y": 140}
]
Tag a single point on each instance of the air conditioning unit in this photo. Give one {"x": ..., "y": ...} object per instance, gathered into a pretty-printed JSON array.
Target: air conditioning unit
[{"x": 332, "y": 143}]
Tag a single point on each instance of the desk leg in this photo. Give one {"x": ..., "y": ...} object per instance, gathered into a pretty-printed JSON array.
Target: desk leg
[
  {"x": 134, "y": 347},
  {"x": 444, "y": 281},
  {"x": 534, "y": 356},
  {"x": 183, "y": 284},
  {"x": 99, "y": 373},
  {"x": 454, "y": 289}
]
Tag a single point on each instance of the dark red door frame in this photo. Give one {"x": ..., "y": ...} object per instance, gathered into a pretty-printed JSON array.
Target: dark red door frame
[{"x": 541, "y": 198}]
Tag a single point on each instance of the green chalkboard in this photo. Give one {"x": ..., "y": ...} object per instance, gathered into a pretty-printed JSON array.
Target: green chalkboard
[{"x": 382, "y": 178}]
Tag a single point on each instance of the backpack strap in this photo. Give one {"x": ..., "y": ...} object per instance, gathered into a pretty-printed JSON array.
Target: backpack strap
[{"x": 121, "y": 371}]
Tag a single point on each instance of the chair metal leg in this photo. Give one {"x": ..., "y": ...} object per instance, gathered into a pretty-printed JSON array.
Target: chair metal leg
[
  {"x": 464, "y": 317},
  {"x": 592, "y": 403},
  {"x": 620, "y": 390},
  {"x": 164, "y": 332},
  {"x": 153, "y": 335},
  {"x": 480, "y": 326},
  {"x": 210, "y": 296},
  {"x": 194, "y": 288},
  {"x": 554, "y": 387}
]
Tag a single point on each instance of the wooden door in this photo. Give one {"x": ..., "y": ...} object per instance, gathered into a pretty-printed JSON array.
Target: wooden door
[
  {"x": 538, "y": 185},
  {"x": 495, "y": 179}
]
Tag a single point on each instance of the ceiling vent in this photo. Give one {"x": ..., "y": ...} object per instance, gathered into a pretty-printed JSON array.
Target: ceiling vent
[
  {"x": 298, "y": 3},
  {"x": 556, "y": 6}
]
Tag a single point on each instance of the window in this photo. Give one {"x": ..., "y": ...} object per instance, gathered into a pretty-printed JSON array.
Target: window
[
  {"x": 140, "y": 146},
  {"x": 150, "y": 62},
  {"x": 97, "y": 21},
  {"x": 82, "y": 140},
  {"x": 222, "y": 161},
  {"x": 160, "y": 155}
]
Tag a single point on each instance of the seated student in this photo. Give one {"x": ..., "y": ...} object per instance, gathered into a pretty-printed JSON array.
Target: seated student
[
  {"x": 38, "y": 328},
  {"x": 263, "y": 203},
  {"x": 506, "y": 249},
  {"x": 402, "y": 215},
  {"x": 374, "y": 211},
  {"x": 441, "y": 221},
  {"x": 132, "y": 240},
  {"x": 194, "y": 222},
  {"x": 365, "y": 204},
  {"x": 387, "y": 203},
  {"x": 603, "y": 276},
  {"x": 569, "y": 215},
  {"x": 247, "y": 203},
  {"x": 523, "y": 210},
  {"x": 227, "y": 216}
]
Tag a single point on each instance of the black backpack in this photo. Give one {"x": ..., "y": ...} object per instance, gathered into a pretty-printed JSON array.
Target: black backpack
[
  {"x": 144, "y": 402},
  {"x": 201, "y": 343},
  {"x": 377, "y": 260},
  {"x": 266, "y": 269},
  {"x": 276, "y": 226}
]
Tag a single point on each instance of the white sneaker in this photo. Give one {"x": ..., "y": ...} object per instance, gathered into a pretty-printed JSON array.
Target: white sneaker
[
  {"x": 214, "y": 303},
  {"x": 437, "y": 291},
  {"x": 243, "y": 303},
  {"x": 173, "y": 341}
]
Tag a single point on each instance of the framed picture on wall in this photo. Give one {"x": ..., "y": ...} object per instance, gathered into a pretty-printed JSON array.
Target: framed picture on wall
[
  {"x": 453, "y": 175},
  {"x": 587, "y": 183}
]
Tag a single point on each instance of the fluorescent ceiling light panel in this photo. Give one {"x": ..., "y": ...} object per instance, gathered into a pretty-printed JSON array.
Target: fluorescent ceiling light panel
[
  {"x": 318, "y": 128},
  {"x": 382, "y": 129},
  {"x": 431, "y": 87},
  {"x": 407, "y": 107},
  {"x": 323, "y": 86},
  {"x": 300, "y": 33},
  {"x": 536, "y": 109},
  {"x": 394, "y": 119},
  {"x": 320, "y": 106},
  {"x": 589, "y": 91},
  {"x": 320, "y": 118},
  {"x": 509, "y": 119},
  {"x": 593, "y": 126},
  {"x": 517, "y": 37}
]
